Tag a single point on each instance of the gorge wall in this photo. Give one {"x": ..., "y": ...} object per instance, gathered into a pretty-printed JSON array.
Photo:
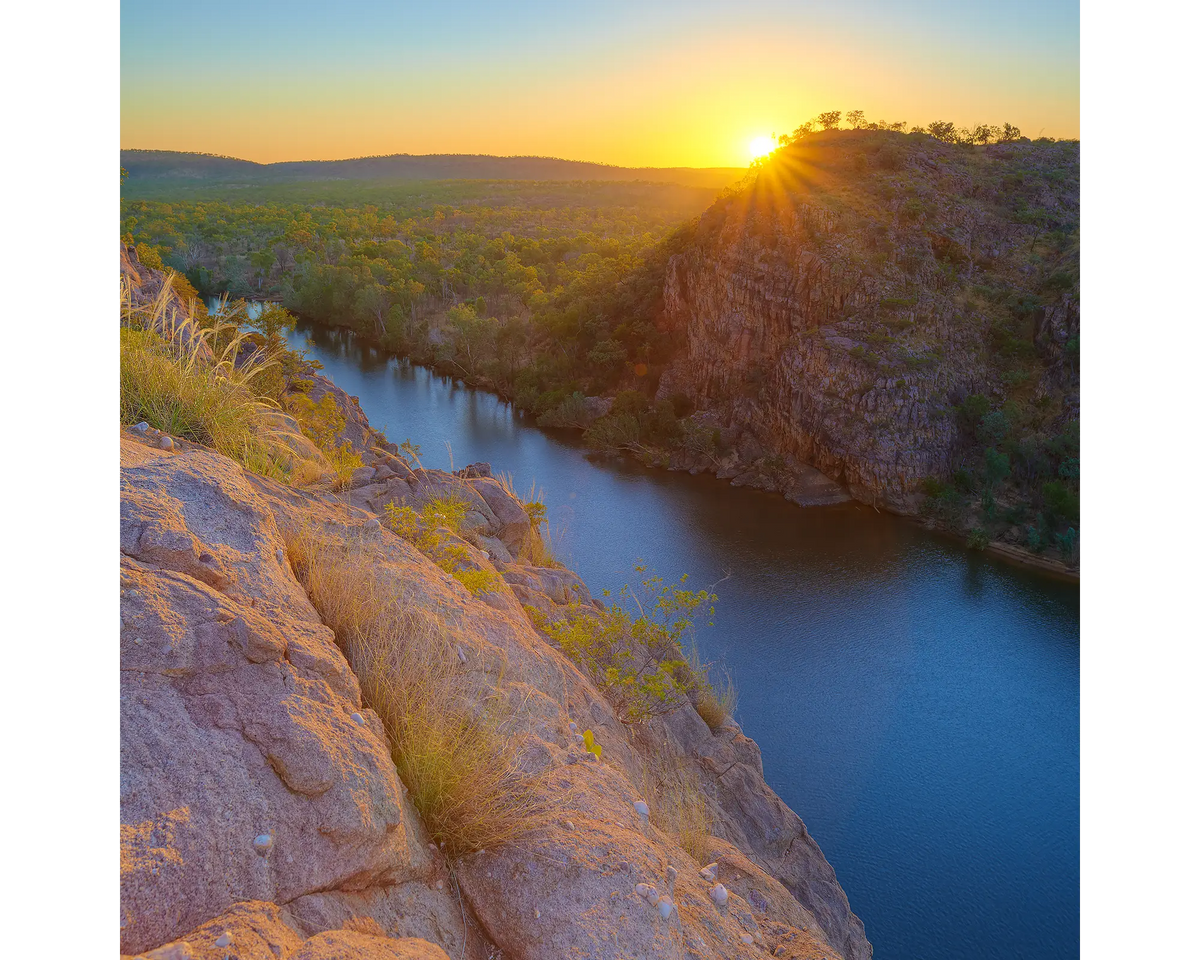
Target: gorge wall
[{"x": 837, "y": 309}]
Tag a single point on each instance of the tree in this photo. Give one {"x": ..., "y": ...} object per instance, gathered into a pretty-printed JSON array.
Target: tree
[
  {"x": 856, "y": 118},
  {"x": 829, "y": 119},
  {"x": 943, "y": 130},
  {"x": 982, "y": 134},
  {"x": 262, "y": 261},
  {"x": 272, "y": 321},
  {"x": 1008, "y": 134}
]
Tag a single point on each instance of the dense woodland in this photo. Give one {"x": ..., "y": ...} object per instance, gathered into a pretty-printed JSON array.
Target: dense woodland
[
  {"x": 527, "y": 288},
  {"x": 549, "y": 292}
]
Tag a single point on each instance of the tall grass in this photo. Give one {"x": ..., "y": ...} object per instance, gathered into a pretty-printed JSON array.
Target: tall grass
[
  {"x": 182, "y": 378},
  {"x": 538, "y": 551},
  {"x": 455, "y": 751},
  {"x": 715, "y": 698},
  {"x": 678, "y": 805}
]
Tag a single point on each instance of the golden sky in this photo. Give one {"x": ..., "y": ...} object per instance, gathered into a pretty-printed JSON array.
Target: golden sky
[{"x": 672, "y": 85}]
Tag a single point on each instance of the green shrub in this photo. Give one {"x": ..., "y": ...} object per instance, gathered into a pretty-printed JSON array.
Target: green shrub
[
  {"x": 1068, "y": 544},
  {"x": 978, "y": 539},
  {"x": 572, "y": 411},
  {"x": 1061, "y": 501},
  {"x": 423, "y": 531},
  {"x": 634, "y": 654},
  {"x": 323, "y": 423},
  {"x": 993, "y": 426},
  {"x": 996, "y": 464}
]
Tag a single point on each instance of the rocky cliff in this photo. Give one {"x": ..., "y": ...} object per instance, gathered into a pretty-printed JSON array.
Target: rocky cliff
[
  {"x": 837, "y": 311},
  {"x": 262, "y": 815}
]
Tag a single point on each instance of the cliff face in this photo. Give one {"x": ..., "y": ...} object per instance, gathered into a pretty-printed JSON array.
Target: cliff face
[
  {"x": 839, "y": 308},
  {"x": 259, "y": 800},
  {"x": 262, "y": 815}
]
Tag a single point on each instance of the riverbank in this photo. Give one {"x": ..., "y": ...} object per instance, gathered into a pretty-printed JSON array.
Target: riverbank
[{"x": 745, "y": 464}]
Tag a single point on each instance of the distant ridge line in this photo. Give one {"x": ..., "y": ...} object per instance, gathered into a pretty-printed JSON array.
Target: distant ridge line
[{"x": 144, "y": 164}]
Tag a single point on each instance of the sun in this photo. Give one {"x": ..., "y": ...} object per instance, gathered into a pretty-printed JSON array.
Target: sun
[{"x": 760, "y": 147}]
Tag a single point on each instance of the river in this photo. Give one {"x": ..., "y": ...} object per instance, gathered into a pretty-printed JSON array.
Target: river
[{"x": 916, "y": 703}]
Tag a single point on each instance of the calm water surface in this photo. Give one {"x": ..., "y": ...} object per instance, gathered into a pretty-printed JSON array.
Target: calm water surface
[{"x": 917, "y": 704}]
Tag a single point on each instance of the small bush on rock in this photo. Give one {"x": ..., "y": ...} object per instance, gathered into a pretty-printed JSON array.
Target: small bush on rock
[{"x": 634, "y": 654}]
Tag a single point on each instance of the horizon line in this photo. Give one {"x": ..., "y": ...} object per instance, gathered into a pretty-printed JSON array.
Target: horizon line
[{"x": 388, "y": 156}]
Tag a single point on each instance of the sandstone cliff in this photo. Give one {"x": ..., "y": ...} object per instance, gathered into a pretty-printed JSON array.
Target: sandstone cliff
[
  {"x": 837, "y": 312},
  {"x": 262, "y": 814}
]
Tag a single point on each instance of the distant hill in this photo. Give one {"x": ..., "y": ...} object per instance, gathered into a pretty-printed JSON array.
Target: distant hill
[{"x": 172, "y": 165}]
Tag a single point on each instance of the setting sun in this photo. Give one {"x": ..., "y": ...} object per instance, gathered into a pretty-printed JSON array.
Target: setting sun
[{"x": 760, "y": 147}]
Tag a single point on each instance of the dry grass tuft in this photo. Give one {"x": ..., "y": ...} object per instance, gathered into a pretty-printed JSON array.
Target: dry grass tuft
[
  {"x": 715, "y": 699},
  {"x": 677, "y": 804},
  {"x": 455, "y": 752},
  {"x": 538, "y": 551}
]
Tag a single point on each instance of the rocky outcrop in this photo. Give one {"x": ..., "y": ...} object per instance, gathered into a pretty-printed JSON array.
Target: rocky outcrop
[
  {"x": 260, "y": 804},
  {"x": 832, "y": 314}
]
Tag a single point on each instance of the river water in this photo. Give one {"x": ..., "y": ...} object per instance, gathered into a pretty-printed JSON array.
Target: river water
[{"x": 916, "y": 703}]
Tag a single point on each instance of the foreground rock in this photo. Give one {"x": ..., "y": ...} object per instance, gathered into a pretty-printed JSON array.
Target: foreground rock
[{"x": 256, "y": 805}]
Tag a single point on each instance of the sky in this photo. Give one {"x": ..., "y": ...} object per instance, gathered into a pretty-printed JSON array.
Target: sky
[{"x": 649, "y": 83}]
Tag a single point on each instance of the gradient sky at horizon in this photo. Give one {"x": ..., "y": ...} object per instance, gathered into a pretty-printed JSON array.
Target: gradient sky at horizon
[{"x": 666, "y": 83}]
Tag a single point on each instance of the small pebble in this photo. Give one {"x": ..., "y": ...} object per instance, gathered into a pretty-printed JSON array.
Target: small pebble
[
  {"x": 224, "y": 939},
  {"x": 747, "y": 939},
  {"x": 279, "y": 554},
  {"x": 579, "y": 738},
  {"x": 720, "y": 896},
  {"x": 672, "y": 873},
  {"x": 461, "y": 656},
  {"x": 141, "y": 427},
  {"x": 167, "y": 443},
  {"x": 589, "y": 756},
  {"x": 440, "y": 884},
  {"x": 263, "y": 843},
  {"x": 372, "y": 526},
  {"x": 642, "y": 807},
  {"x": 646, "y": 891},
  {"x": 709, "y": 872},
  {"x": 573, "y": 726},
  {"x": 665, "y": 906},
  {"x": 568, "y": 824},
  {"x": 359, "y": 719},
  {"x": 571, "y": 758},
  {"x": 537, "y": 914},
  {"x": 433, "y": 847}
]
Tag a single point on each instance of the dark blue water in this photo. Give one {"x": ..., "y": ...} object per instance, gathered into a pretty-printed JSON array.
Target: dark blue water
[{"x": 917, "y": 704}]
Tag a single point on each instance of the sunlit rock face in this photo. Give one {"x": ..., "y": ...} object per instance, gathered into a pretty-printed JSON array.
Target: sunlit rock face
[
  {"x": 837, "y": 309},
  {"x": 259, "y": 802}
]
